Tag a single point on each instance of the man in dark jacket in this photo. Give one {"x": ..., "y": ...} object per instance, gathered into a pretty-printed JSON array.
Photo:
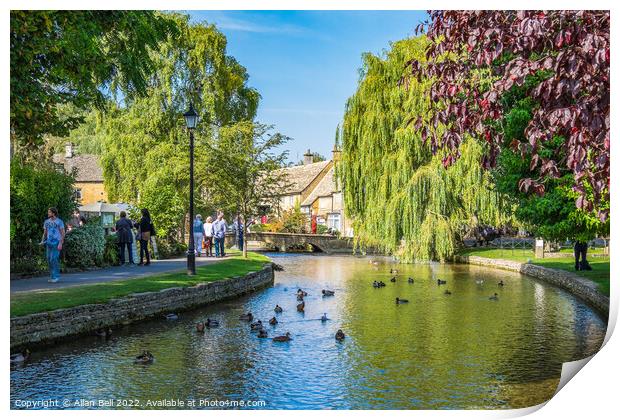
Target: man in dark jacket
[{"x": 124, "y": 236}]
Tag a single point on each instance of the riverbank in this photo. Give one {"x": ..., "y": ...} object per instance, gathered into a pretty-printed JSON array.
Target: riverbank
[
  {"x": 29, "y": 302},
  {"x": 84, "y": 309},
  {"x": 600, "y": 273},
  {"x": 583, "y": 288}
]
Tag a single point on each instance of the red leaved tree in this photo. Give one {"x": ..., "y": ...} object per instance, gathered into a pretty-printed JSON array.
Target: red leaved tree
[{"x": 572, "y": 46}]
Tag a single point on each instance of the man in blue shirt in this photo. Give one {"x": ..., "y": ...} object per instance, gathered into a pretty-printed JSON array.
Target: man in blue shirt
[
  {"x": 53, "y": 238},
  {"x": 219, "y": 232}
]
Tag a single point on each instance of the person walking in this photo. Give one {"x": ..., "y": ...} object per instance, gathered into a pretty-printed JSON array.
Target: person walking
[
  {"x": 53, "y": 239},
  {"x": 208, "y": 229},
  {"x": 124, "y": 236},
  {"x": 145, "y": 228},
  {"x": 581, "y": 252},
  {"x": 219, "y": 234},
  {"x": 199, "y": 232}
]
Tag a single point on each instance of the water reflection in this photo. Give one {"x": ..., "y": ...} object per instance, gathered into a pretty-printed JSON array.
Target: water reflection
[{"x": 437, "y": 351}]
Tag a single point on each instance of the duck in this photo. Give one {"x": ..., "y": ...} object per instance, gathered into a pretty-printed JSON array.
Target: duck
[
  {"x": 375, "y": 284},
  {"x": 144, "y": 358},
  {"x": 440, "y": 282},
  {"x": 324, "y": 317},
  {"x": 273, "y": 321},
  {"x": 282, "y": 338},
  {"x": 339, "y": 335},
  {"x": 300, "y": 297},
  {"x": 299, "y": 291},
  {"x": 255, "y": 326},
  {"x": 200, "y": 327},
  {"x": 277, "y": 309},
  {"x": 398, "y": 300},
  {"x": 171, "y": 317},
  {"x": 212, "y": 323},
  {"x": 262, "y": 333},
  {"x": 410, "y": 280},
  {"x": 328, "y": 292},
  {"x": 20, "y": 357},
  {"x": 501, "y": 283},
  {"x": 494, "y": 297},
  {"x": 447, "y": 292},
  {"x": 301, "y": 306},
  {"x": 381, "y": 284},
  {"x": 104, "y": 333},
  {"x": 479, "y": 281},
  {"x": 393, "y": 279},
  {"x": 246, "y": 317},
  {"x": 393, "y": 271}
]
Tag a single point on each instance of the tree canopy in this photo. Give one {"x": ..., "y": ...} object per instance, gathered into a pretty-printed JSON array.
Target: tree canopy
[
  {"x": 145, "y": 155},
  {"x": 398, "y": 193},
  {"x": 78, "y": 58},
  {"x": 572, "y": 102}
]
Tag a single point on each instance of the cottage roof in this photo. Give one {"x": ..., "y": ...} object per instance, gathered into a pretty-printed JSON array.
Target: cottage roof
[
  {"x": 325, "y": 187},
  {"x": 87, "y": 166},
  {"x": 300, "y": 177}
]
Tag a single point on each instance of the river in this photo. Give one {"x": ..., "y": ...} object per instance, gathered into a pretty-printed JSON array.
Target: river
[{"x": 437, "y": 351}]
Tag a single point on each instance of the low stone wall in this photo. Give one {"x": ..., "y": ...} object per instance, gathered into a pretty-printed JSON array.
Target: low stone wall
[
  {"x": 583, "y": 288},
  {"x": 46, "y": 327}
]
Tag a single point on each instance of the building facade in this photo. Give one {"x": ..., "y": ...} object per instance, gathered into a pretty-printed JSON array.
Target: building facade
[
  {"x": 313, "y": 186},
  {"x": 88, "y": 185}
]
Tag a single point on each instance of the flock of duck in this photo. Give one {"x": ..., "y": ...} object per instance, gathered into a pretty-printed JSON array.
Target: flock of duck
[
  {"x": 377, "y": 284},
  {"x": 255, "y": 326}
]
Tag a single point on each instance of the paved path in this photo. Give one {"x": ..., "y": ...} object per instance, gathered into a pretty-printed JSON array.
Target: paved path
[{"x": 107, "y": 274}]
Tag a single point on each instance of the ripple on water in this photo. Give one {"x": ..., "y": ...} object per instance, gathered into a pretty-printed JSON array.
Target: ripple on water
[{"x": 438, "y": 351}]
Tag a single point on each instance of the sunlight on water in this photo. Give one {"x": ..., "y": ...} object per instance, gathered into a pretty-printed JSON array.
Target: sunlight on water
[{"x": 438, "y": 351}]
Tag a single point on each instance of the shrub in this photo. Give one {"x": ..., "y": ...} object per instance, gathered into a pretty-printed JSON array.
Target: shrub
[
  {"x": 85, "y": 246},
  {"x": 294, "y": 221},
  {"x": 110, "y": 252},
  {"x": 169, "y": 248},
  {"x": 321, "y": 229},
  {"x": 33, "y": 191}
]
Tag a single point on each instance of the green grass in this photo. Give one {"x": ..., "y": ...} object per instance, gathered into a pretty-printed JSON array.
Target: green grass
[
  {"x": 600, "y": 265},
  {"x": 25, "y": 303}
]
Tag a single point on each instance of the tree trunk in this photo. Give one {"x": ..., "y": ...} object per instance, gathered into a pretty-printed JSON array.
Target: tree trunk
[{"x": 244, "y": 230}]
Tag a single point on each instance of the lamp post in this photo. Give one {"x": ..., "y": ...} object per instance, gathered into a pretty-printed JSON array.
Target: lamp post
[{"x": 191, "y": 119}]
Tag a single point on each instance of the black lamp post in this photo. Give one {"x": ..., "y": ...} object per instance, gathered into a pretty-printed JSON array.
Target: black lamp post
[{"x": 191, "y": 119}]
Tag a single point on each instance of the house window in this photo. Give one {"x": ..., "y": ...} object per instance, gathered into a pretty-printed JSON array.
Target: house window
[{"x": 333, "y": 221}]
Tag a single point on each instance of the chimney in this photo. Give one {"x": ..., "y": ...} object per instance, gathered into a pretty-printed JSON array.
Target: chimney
[
  {"x": 69, "y": 150},
  {"x": 307, "y": 158},
  {"x": 336, "y": 154}
]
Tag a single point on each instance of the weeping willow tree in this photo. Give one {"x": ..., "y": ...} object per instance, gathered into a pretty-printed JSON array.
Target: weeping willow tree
[{"x": 400, "y": 196}]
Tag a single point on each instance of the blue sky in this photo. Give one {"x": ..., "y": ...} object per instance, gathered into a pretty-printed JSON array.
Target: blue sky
[{"x": 305, "y": 64}]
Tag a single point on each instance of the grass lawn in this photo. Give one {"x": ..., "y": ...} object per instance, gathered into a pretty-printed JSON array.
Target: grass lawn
[
  {"x": 600, "y": 265},
  {"x": 32, "y": 302}
]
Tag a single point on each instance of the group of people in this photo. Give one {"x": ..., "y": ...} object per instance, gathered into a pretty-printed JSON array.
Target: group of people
[
  {"x": 209, "y": 234},
  {"x": 125, "y": 236}
]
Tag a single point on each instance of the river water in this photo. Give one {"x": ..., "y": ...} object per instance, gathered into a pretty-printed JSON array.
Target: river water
[{"x": 438, "y": 351}]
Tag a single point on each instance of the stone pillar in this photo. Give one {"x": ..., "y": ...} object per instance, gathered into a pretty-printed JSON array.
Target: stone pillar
[{"x": 539, "y": 248}]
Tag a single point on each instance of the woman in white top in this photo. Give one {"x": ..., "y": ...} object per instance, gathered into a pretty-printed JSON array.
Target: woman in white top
[{"x": 208, "y": 228}]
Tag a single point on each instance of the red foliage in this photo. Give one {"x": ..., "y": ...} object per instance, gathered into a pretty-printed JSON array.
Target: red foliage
[{"x": 573, "y": 102}]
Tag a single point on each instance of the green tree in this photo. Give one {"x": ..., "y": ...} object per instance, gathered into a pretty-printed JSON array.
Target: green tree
[
  {"x": 397, "y": 191},
  {"x": 33, "y": 191},
  {"x": 554, "y": 215},
  {"x": 245, "y": 169},
  {"x": 145, "y": 151},
  {"x": 78, "y": 58}
]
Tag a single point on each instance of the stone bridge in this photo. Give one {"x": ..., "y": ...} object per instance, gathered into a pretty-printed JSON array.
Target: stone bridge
[{"x": 286, "y": 241}]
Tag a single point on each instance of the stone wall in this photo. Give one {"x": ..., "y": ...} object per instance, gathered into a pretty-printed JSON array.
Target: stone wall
[
  {"x": 43, "y": 328},
  {"x": 583, "y": 288}
]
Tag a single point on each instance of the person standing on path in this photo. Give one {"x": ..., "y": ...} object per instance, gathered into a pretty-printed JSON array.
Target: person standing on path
[
  {"x": 199, "y": 232},
  {"x": 124, "y": 236},
  {"x": 53, "y": 238},
  {"x": 208, "y": 228},
  {"x": 219, "y": 233},
  {"x": 145, "y": 229}
]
